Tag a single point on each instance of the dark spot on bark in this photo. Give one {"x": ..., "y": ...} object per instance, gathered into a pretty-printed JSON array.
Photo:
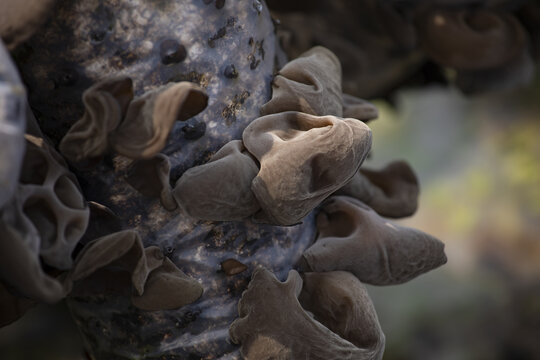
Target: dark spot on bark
[
  {"x": 193, "y": 131},
  {"x": 230, "y": 72},
  {"x": 66, "y": 77},
  {"x": 229, "y": 112},
  {"x": 97, "y": 35},
  {"x": 218, "y": 35},
  {"x": 171, "y": 52},
  {"x": 220, "y": 4}
]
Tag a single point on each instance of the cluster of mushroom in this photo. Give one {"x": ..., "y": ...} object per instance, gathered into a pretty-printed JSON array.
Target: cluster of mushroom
[
  {"x": 478, "y": 45},
  {"x": 295, "y": 156},
  {"x": 46, "y": 217},
  {"x": 291, "y": 158}
]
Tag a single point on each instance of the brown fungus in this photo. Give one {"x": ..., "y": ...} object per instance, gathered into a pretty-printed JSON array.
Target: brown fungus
[
  {"x": 105, "y": 104},
  {"x": 150, "y": 118},
  {"x": 233, "y": 267},
  {"x": 352, "y": 237},
  {"x": 273, "y": 324},
  {"x": 157, "y": 283},
  {"x": 151, "y": 178},
  {"x": 310, "y": 84},
  {"x": 220, "y": 189},
  {"x": 391, "y": 192},
  {"x": 304, "y": 159},
  {"x": 357, "y": 108},
  {"x": 341, "y": 302},
  {"x": 471, "y": 40}
]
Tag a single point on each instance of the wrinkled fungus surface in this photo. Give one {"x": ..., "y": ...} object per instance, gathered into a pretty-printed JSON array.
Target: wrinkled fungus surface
[
  {"x": 304, "y": 158},
  {"x": 273, "y": 324},
  {"x": 352, "y": 237}
]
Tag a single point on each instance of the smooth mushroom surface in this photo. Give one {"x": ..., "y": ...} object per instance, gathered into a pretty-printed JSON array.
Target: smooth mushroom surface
[
  {"x": 150, "y": 118},
  {"x": 151, "y": 178},
  {"x": 304, "y": 158},
  {"x": 352, "y": 237},
  {"x": 20, "y": 265},
  {"x": 273, "y": 324},
  {"x": 52, "y": 200},
  {"x": 341, "y": 302},
  {"x": 310, "y": 84},
  {"x": 19, "y": 19},
  {"x": 105, "y": 105},
  {"x": 356, "y": 108},
  {"x": 157, "y": 283},
  {"x": 471, "y": 40},
  {"x": 220, "y": 189},
  {"x": 391, "y": 191}
]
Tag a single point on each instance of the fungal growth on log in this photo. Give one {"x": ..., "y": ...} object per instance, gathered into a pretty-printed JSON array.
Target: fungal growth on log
[{"x": 191, "y": 193}]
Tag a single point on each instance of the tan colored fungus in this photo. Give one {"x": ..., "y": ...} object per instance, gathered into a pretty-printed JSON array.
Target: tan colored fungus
[
  {"x": 157, "y": 283},
  {"x": 310, "y": 84},
  {"x": 220, "y": 189},
  {"x": 304, "y": 159},
  {"x": 52, "y": 201},
  {"x": 352, "y": 237},
  {"x": 341, "y": 302},
  {"x": 19, "y": 19},
  {"x": 273, "y": 324},
  {"x": 391, "y": 192},
  {"x": 357, "y": 108},
  {"x": 150, "y": 118},
  {"x": 105, "y": 105},
  {"x": 233, "y": 267},
  {"x": 151, "y": 178},
  {"x": 471, "y": 40}
]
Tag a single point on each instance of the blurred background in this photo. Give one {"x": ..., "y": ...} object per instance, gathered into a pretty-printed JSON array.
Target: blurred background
[{"x": 478, "y": 161}]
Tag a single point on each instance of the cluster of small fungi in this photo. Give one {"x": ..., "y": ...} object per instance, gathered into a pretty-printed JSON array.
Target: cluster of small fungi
[{"x": 301, "y": 156}]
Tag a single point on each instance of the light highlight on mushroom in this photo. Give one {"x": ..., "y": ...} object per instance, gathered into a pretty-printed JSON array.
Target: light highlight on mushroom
[{"x": 304, "y": 158}]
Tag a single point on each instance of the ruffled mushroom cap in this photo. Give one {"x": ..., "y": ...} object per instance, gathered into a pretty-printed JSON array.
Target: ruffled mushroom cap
[
  {"x": 220, "y": 189},
  {"x": 304, "y": 159},
  {"x": 310, "y": 84},
  {"x": 341, "y": 302},
  {"x": 150, "y": 118},
  {"x": 151, "y": 178},
  {"x": 105, "y": 105},
  {"x": 352, "y": 237},
  {"x": 357, "y": 108},
  {"x": 157, "y": 283},
  {"x": 273, "y": 324},
  {"x": 391, "y": 192},
  {"x": 19, "y": 19},
  {"x": 471, "y": 40}
]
